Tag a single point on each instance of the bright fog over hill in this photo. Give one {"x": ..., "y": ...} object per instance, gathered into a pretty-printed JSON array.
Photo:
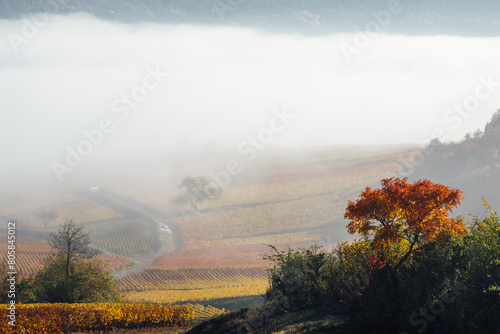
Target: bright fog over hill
[{"x": 150, "y": 88}]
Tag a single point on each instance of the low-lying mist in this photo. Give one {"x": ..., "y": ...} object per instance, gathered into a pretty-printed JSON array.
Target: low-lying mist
[{"x": 80, "y": 93}]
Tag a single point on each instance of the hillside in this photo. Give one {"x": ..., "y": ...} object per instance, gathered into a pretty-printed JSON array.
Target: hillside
[
  {"x": 472, "y": 165},
  {"x": 286, "y": 197},
  {"x": 382, "y": 283},
  {"x": 464, "y": 17}
]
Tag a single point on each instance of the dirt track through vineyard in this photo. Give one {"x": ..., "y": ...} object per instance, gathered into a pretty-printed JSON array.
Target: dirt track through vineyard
[{"x": 130, "y": 209}]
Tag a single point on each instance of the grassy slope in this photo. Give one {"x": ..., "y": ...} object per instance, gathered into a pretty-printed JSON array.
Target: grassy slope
[{"x": 264, "y": 320}]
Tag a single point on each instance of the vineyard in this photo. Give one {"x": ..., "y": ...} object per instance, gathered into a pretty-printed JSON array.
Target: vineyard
[
  {"x": 225, "y": 255},
  {"x": 273, "y": 177},
  {"x": 31, "y": 258},
  {"x": 204, "y": 312},
  {"x": 58, "y": 318},
  {"x": 192, "y": 285},
  {"x": 67, "y": 205},
  {"x": 27, "y": 263},
  {"x": 289, "y": 205},
  {"x": 127, "y": 237},
  {"x": 115, "y": 262},
  {"x": 276, "y": 201},
  {"x": 196, "y": 295},
  {"x": 286, "y": 206},
  {"x": 191, "y": 279}
]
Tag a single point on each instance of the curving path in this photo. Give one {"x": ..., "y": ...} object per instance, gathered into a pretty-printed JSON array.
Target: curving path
[{"x": 131, "y": 209}]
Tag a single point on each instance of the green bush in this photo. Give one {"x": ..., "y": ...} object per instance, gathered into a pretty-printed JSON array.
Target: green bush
[
  {"x": 447, "y": 287},
  {"x": 295, "y": 279}
]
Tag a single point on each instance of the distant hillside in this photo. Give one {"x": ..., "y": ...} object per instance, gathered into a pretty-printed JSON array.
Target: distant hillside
[
  {"x": 455, "y": 17},
  {"x": 472, "y": 165}
]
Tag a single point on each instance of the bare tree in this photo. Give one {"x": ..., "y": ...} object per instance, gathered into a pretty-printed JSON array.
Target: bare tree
[
  {"x": 196, "y": 191},
  {"x": 72, "y": 244},
  {"x": 46, "y": 216},
  {"x": 74, "y": 273}
]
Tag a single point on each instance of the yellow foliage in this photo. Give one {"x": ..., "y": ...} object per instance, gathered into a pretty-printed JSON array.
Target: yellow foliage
[
  {"x": 57, "y": 318},
  {"x": 171, "y": 296}
]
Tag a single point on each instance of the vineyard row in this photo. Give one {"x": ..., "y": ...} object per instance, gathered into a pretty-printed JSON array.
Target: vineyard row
[
  {"x": 60, "y": 318},
  {"x": 189, "y": 278}
]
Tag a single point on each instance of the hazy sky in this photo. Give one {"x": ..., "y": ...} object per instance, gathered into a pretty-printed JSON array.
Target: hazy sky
[{"x": 225, "y": 84}]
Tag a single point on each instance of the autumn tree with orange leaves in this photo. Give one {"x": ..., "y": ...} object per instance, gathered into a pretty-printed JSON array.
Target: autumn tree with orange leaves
[{"x": 399, "y": 213}]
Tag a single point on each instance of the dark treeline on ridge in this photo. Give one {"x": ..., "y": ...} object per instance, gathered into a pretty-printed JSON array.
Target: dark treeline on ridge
[{"x": 472, "y": 165}]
